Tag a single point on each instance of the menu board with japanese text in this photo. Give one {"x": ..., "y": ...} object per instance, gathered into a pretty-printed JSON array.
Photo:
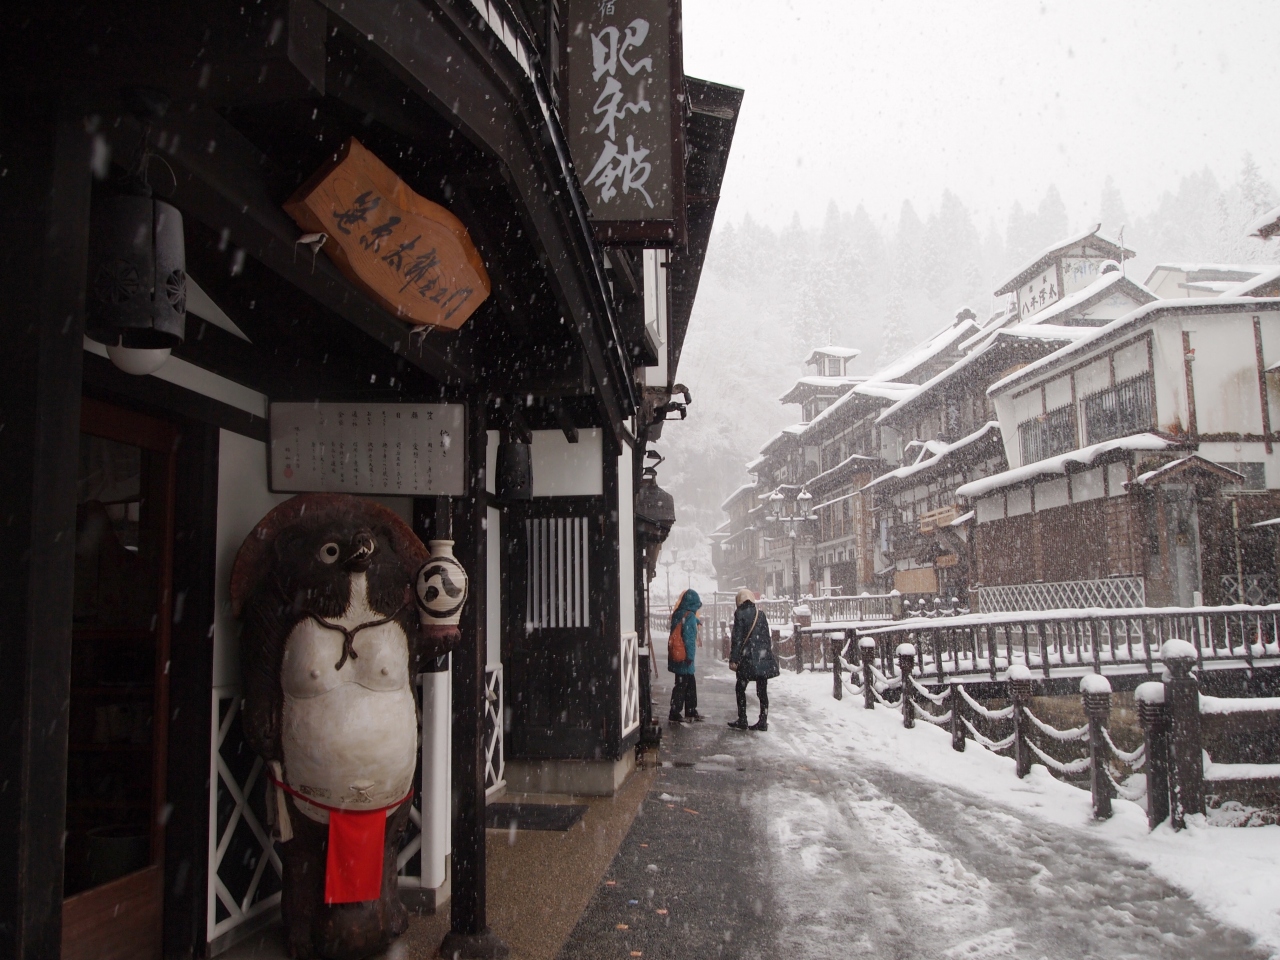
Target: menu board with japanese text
[{"x": 383, "y": 449}]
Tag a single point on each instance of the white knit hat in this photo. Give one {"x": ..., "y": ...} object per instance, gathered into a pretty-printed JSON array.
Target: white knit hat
[{"x": 743, "y": 595}]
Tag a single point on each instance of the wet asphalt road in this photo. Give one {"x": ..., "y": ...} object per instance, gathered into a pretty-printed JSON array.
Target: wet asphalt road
[{"x": 785, "y": 844}]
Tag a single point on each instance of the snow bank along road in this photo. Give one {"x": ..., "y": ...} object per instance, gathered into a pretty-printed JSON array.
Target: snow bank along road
[{"x": 838, "y": 834}]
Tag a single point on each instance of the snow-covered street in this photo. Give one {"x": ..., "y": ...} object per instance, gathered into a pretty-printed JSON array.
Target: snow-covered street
[{"x": 865, "y": 839}]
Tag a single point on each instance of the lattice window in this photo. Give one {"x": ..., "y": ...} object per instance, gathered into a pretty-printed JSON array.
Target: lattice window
[
  {"x": 244, "y": 864},
  {"x": 1120, "y": 410},
  {"x": 557, "y": 594},
  {"x": 1258, "y": 589},
  {"x": 629, "y": 674},
  {"x": 1111, "y": 593},
  {"x": 1048, "y": 435}
]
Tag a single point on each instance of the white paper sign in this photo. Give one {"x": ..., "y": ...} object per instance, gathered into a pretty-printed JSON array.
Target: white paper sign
[{"x": 384, "y": 449}]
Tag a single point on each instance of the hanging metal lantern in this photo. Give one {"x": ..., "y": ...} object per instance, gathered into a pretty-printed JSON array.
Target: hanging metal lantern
[
  {"x": 137, "y": 271},
  {"x": 514, "y": 480}
]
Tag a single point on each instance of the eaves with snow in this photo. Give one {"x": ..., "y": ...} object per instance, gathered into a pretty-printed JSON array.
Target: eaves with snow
[
  {"x": 1091, "y": 243},
  {"x": 1151, "y": 312},
  {"x": 983, "y": 443},
  {"x": 1072, "y": 462},
  {"x": 1175, "y": 280},
  {"x": 1266, "y": 226}
]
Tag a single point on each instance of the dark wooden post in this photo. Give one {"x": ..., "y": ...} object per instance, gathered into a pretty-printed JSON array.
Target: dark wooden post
[
  {"x": 1020, "y": 688},
  {"x": 867, "y": 652},
  {"x": 1154, "y": 718},
  {"x": 837, "y": 686},
  {"x": 906, "y": 660},
  {"x": 957, "y": 721},
  {"x": 44, "y": 204},
  {"x": 1095, "y": 691},
  {"x": 798, "y": 643},
  {"x": 469, "y": 936},
  {"x": 1186, "y": 764}
]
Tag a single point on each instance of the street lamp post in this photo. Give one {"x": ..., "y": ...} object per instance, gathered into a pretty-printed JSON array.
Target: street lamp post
[{"x": 802, "y": 514}]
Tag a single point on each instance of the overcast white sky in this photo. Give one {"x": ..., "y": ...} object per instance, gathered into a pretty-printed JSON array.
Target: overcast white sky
[{"x": 877, "y": 101}]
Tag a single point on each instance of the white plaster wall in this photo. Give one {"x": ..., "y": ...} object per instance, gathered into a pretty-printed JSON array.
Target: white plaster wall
[
  {"x": 1019, "y": 501},
  {"x": 626, "y": 541},
  {"x": 1057, "y": 393},
  {"x": 1117, "y": 475},
  {"x": 1051, "y": 494},
  {"x": 1225, "y": 374},
  {"x": 655, "y": 312},
  {"x": 243, "y": 500},
  {"x": 1088, "y": 485},
  {"x": 493, "y": 585},
  {"x": 491, "y": 439},
  {"x": 564, "y": 469},
  {"x": 1131, "y": 360},
  {"x": 1096, "y": 376},
  {"x": 1007, "y": 413},
  {"x": 1170, "y": 383},
  {"x": 990, "y": 508}
]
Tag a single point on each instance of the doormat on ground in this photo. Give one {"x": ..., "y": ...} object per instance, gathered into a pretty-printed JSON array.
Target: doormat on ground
[{"x": 533, "y": 816}]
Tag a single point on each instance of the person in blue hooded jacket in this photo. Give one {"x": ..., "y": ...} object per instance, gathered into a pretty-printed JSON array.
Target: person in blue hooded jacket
[{"x": 684, "y": 695}]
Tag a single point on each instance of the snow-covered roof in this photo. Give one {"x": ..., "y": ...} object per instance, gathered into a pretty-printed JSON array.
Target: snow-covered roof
[
  {"x": 807, "y": 387},
  {"x": 1096, "y": 335},
  {"x": 853, "y": 458},
  {"x": 1061, "y": 464},
  {"x": 914, "y": 358},
  {"x": 1025, "y": 331},
  {"x": 1245, "y": 268},
  {"x": 1247, "y": 288},
  {"x": 753, "y": 465},
  {"x": 1266, "y": 226},
  {"x": 940, "y": 451},
  {"x": 844, "y": 353},
  {"x": 1086, "y": 297},
  {"x": 1174, "y": 468},
  {"x": 878, "y": 390},
  {"x": 737, "y": 493},
  {"x": 1042, "y": 259}
]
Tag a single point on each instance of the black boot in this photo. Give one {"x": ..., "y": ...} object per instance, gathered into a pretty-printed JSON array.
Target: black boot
[
  {"x": 739, "y": 724},
  {"x": 762, "y": 724}
]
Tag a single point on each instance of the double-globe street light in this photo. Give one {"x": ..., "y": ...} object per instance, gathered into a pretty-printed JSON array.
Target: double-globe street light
[{"x": 802, "y": 514}]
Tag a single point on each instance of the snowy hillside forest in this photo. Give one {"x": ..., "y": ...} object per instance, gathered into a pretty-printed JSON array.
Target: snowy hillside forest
[{"x": 768, "y": 296}]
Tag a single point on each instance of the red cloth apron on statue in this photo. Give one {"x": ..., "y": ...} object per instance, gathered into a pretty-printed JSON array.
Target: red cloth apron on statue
[{"x": 357, "y": 841}]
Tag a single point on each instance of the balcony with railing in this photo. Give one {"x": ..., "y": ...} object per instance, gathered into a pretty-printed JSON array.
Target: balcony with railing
[
  {"x": 1048, "y": 434},
  {"x": 1122, "y": 409}
]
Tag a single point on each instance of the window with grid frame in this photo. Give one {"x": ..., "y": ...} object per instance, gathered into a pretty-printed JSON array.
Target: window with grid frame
[
  {"x": 1048, "y": 435},
  {"x": 1120, "y": 410}
]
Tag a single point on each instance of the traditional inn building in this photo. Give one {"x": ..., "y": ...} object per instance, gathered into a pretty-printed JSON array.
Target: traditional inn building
[
  {"x": 1139, "y": 458},
  {"x": 1050, "y": 455}
]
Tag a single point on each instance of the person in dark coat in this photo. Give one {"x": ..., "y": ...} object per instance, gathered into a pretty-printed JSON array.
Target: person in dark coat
[
  {"x": 684, "y": 695},
  {"x": 751, "y": 655}
]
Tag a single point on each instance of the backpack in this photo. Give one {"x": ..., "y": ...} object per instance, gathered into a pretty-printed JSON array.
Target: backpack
[{"x": 676, "y": 652}]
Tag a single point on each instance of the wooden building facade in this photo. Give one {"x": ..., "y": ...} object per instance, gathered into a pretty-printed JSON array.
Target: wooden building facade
[{"x": 133, "y": 819}]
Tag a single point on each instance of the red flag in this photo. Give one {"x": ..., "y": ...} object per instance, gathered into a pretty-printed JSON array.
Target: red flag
[{"x": 353, "y": 868}]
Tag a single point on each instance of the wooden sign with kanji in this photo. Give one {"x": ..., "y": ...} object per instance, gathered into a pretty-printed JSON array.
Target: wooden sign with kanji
[{"x": 414, "y": 257}]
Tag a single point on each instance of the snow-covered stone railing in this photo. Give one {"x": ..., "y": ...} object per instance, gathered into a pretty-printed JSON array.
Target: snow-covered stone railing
[{"x": 1070, "y": 642}]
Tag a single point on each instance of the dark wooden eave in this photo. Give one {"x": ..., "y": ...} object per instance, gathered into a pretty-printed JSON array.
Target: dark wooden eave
[{"x": 709, "y": 128}]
